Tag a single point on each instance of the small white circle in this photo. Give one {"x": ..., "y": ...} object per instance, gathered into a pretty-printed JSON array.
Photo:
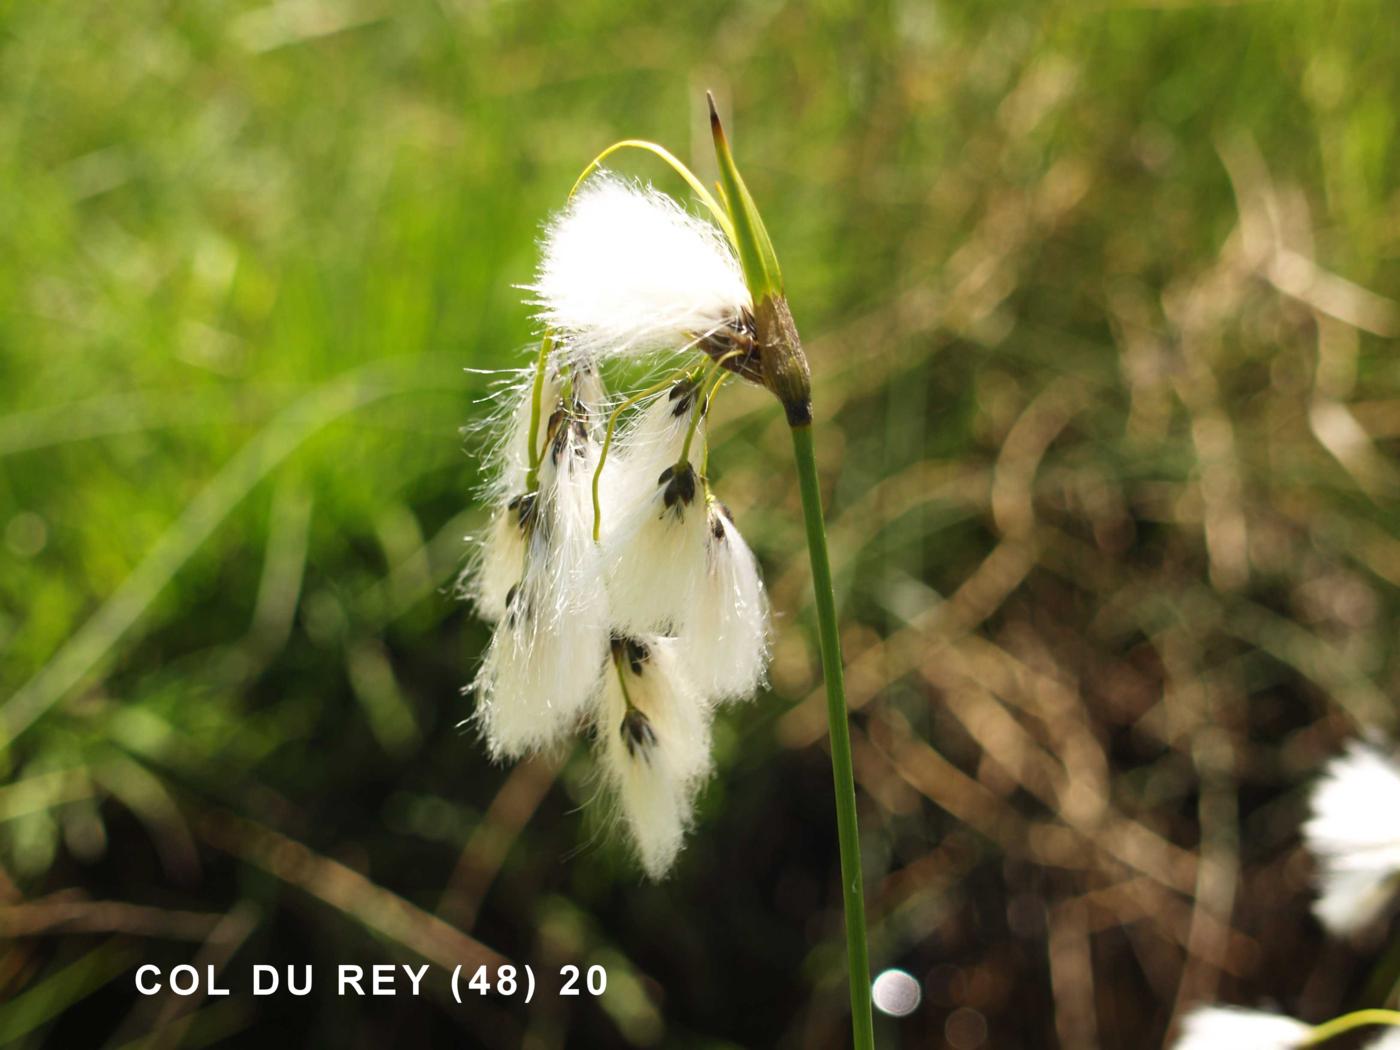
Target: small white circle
[{"x": 896, "y": 993}]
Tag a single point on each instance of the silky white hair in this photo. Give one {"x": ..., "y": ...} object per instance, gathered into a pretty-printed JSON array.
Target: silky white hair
[
  {"x": 724, "y": 636},
  {"x": 627, "y": 270},
  {"x": 1354, "y": 832},
  {"x": 654, "y": 781},
  {"x": 546, "y": 655},
  {"x": 650, "y": 443},
  {"x": 653, "y": 560}
]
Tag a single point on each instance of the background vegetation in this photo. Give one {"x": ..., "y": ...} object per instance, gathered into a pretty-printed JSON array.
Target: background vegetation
[{"x": 1101, "y": 300}]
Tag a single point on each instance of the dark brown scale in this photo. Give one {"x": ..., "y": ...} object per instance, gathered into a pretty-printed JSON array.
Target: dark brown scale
[
  {"x": 741, "y": 335},
  {"x": 679, "y": 486},
  {"x": 637, "y": 733},
  {"x": 513, "y": 610},
  {"x": 683, "y": 396},
  {"x": 523, "y": 507},
  {"x": 556, "y": 434},
  {"x": 638, "y": 654},
  {"x": 635, "y": 651}
]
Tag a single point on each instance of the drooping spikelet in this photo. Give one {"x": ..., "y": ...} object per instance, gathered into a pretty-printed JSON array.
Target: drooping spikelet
[
  {"x": 724, "y": 636},
  {"x": 655, "y": 554},
  {"x": 497, "y": 558},
  {"x": 1354, "y": 832},
  {"x": 547, "y": 653},
  {"x": 654, "y": 736},
  {"x": 627, "y": 270},
  {"x": 643, "y": 452}
]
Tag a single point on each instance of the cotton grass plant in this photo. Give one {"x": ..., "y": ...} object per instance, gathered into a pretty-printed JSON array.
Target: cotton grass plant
[{"x": 626, "y": 602}]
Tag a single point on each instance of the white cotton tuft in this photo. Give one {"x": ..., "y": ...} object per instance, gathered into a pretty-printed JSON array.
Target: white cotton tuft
[
  {"x": 625, "y": 269},
  {"x": 654, "y": 734},
  {"x": 1232, "y": 1028},
  {"x": 499, "y": 560},
  {"x": 547, "y": 654},
  {"x": 655, "y": 553},
  {"x": 590, "y": 393},
  {"x": 1354, "y": 832},
  {"x": 724, "y": 638},
  {"x": 1389, "y": 1041},
  {"x": 643, "y": 452},
  {"x": 508, "y": 462},
  {"x": 497, "y": 555}
]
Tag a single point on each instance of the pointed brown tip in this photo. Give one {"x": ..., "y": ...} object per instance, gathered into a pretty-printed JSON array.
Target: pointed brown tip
[{"x": 716, "y": 128}]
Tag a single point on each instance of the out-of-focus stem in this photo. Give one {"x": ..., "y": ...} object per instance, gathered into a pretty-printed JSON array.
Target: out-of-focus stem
[
  {"x": 848, "y": 831},
  {"x": 1360, "y": 1018}
]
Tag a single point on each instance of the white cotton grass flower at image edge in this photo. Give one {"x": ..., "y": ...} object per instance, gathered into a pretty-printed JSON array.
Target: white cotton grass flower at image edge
[
  {"x": 1235, "y": 1028},
  {"x": 626, "y": 270},
  {"x": 1354, "y": 833}
]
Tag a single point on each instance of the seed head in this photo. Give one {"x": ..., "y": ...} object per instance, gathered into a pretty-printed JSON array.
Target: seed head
[
  {"x": 1354, "y": 832},
  {"x": 625, "y": 270}
]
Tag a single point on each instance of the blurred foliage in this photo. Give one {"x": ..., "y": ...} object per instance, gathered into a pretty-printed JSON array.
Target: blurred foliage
[{"x": 1101, "y": 302}]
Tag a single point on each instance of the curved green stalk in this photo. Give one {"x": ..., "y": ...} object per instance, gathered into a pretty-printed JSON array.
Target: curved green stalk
[
  {"x": 848, "y": 832},
  {"x": 706, "y": 198},
  {"x": 705, "y": 447},
  {"x": 702, "y": 404},
  {"x": 532, "y": 476},
  {"x": 1358, "y": 1019}
]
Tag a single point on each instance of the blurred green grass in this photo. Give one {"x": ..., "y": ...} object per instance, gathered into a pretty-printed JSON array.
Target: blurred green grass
[{"x": 1085, "y": 284}]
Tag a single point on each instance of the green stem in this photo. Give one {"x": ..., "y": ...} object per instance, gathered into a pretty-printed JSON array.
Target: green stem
[
  {"x": 848, "y": 831},
  {"x": 704, "y": 392},
  {"x": 705, "y": 446},
  {"x": 532, "y": 476},
  {"x": 1335, "y": 1027}
]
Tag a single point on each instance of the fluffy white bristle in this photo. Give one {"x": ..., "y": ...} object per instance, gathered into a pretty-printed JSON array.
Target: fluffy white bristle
[
  {"x": 642, "y": 452},
  {"x": 547, "y": 653},
  {"x": 724, "y": 636},
  {"x": 654, "y": 556},
  {"x": 656, "y": 761},
  {"x": 625, "y": 269}
]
